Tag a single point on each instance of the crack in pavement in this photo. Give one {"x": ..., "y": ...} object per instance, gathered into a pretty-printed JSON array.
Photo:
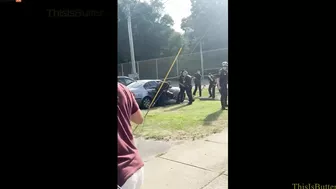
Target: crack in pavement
[
  {"x": 215, "y": 142},
  {"x": 161, "y": 154},
  {"x": 185, "y": 164},
  {"x": 222, "y": 173}
]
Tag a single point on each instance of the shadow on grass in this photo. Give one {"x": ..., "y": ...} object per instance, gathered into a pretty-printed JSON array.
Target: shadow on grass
[
  {"x": 176, "y": 108},
  {"x": 209, "y": 99},
  {"x": 168, "y": 104},
  {"x": 212, "y": 117}
]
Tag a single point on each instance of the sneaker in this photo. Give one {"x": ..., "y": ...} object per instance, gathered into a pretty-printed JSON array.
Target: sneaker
[{"x": 190, "y": 103}]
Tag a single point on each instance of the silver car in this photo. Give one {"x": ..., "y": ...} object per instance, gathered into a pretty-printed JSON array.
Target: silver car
[
  {"x": 145, "y": 90},
  {"x": 125, "y": 80}
]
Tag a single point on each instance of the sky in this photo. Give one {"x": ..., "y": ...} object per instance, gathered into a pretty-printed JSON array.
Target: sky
[{"x": 177, "y": 9}]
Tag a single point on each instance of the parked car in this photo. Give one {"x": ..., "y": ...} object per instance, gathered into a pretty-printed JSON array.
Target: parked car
[
  {"x": 125, "y": 80},
  {"x": 145, "y": 90}
]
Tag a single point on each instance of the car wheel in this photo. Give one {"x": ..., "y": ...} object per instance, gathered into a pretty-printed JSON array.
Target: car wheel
[{"x": 146, "y": 102}]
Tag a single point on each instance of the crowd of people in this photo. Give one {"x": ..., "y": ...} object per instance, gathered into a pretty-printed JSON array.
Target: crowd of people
[{"x": 220, "y": 80}]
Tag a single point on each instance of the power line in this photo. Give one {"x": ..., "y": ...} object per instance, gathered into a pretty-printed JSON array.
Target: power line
[
  {"x": 166, "y": 2},
  {"x": 205, "y": 33}
]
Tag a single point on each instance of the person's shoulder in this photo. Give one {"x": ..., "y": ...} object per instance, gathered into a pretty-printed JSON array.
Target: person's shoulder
[
  {"x": 123, "y": 88},
  {"x": 120, "y": 86}
]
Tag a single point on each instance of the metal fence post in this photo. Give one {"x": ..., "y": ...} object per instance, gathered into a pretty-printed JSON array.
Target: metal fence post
[
  {"x": 157, "y": 69},
  {"x": 138, "y": 70},
  {"x": 177, "y": 69},
  {"x": 208, "y": 60},
  {"x": 201, "y": 60}
]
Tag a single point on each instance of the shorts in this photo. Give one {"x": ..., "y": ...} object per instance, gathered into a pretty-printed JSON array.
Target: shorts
[{"x": 135, "y": 181}]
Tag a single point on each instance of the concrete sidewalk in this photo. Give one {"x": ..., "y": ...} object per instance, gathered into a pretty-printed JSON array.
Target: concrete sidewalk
[{"x": 200, "y": 164}]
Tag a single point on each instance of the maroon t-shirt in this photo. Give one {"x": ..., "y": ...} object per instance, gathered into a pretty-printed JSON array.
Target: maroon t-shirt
[{"x": 129, "y": 160}]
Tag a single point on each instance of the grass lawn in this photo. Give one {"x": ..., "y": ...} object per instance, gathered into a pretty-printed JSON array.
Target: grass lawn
[{"x": 177, "y": 122}]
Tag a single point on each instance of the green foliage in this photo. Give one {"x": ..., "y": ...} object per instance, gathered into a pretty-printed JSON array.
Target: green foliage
[
  {"x": 153, "y": 35},
  {"x": 209, "y": 19}
]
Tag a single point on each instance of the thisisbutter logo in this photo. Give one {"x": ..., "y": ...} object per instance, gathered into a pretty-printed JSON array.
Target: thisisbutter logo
[
  {"x": 313, "y": 186},
  {"x": 74, "y": 13}
]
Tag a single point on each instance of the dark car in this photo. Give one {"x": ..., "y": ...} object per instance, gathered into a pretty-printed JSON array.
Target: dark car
[
  {"x": 125, "y": 80},
  {"x": 145, "y": 90}
]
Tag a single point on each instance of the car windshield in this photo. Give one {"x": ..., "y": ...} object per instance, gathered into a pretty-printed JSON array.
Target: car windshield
[{"x": 135, "y": 85}]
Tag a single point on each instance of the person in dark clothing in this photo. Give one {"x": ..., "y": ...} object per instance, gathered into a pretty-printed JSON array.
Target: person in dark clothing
[
  {"x": 188, "y": 86},
  {"x": 197, "y": 81},
  {"x": 163, "y": 95},
  {"x": 222, "y": 84},
  {"x": 180, "y": 97},
  {"x": 212, "y": 86}
]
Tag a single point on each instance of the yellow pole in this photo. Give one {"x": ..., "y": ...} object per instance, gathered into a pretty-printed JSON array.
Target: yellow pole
[
  {"x": 165, "y": 77},
  {"x": 161, "y": 85}
]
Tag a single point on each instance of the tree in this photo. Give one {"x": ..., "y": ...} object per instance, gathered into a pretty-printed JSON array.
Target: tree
[
  {"x": 153, "y": 35},
  {"x": 207, "y": 22}
]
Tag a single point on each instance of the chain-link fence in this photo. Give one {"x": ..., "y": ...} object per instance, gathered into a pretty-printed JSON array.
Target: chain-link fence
[{"x": 158, "y": 68}]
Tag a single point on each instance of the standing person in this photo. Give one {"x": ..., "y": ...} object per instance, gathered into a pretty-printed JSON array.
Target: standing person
[
  {"x": 180, "y": 97},
  {"x": 130, "y": 164},
  {"x": 222, "y": 84},
  {"x": 188, "y": 86},
  {"x": 212, "y": 86},
  {"x": 197, "y": 81}
]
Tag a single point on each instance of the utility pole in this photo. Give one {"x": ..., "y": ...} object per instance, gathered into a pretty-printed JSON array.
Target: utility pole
[
  {"x": 130, "y": 37},
  {"x": 202, "y": 69}
]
